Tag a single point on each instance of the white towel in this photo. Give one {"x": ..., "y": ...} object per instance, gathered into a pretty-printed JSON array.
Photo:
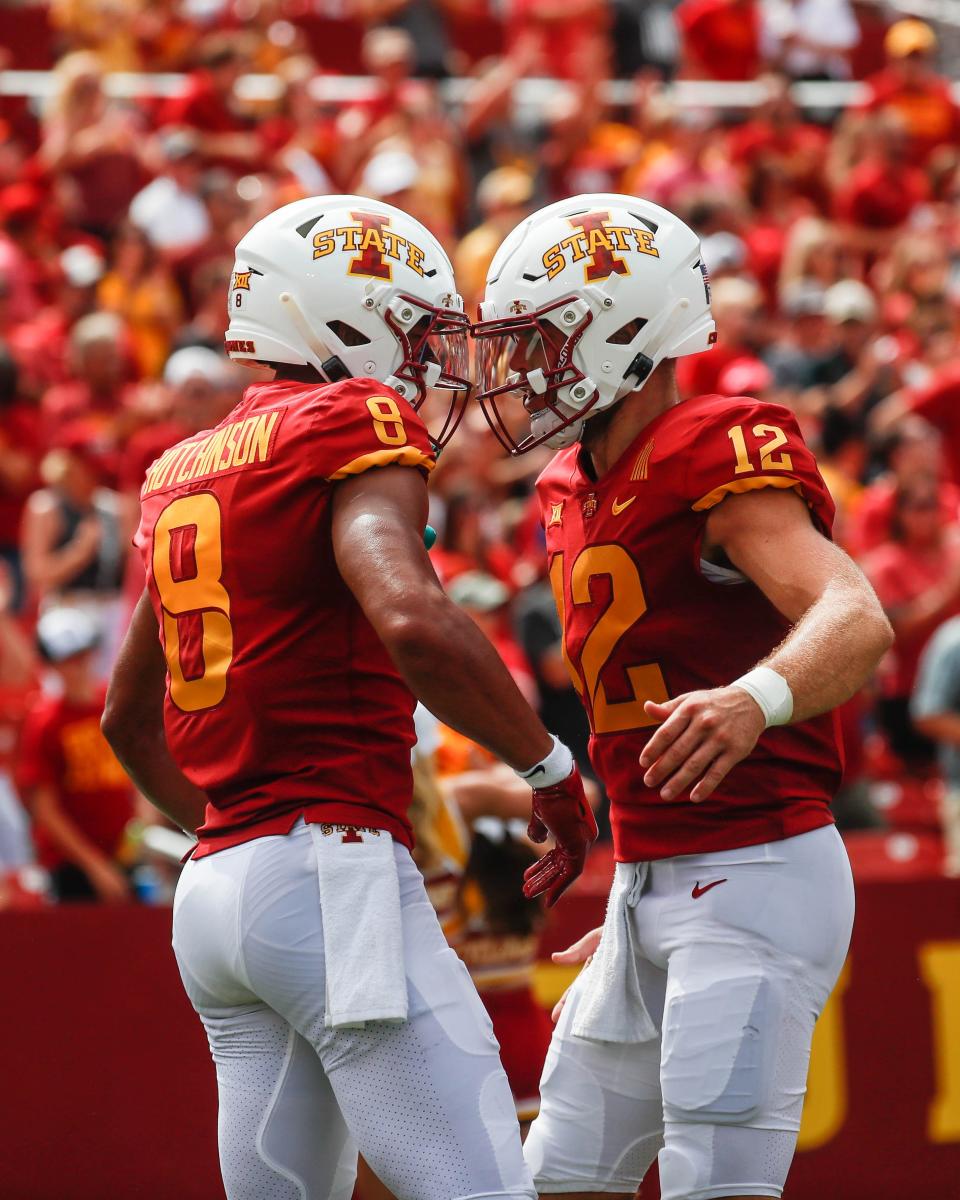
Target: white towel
[
  {"x": 612, "y": 1007},
  {"x": 362, "y": 929}
]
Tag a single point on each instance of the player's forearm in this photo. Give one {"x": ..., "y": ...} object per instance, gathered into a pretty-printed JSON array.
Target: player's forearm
[
  {"x": 145, "y": 758},
  {"x": 833, "y": 649},
  {"x": 451, "y": 667}
]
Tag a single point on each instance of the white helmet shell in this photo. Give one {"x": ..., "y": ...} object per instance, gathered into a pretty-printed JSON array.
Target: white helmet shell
[
  {"x": 343, "y": 284},
  {"x": 613, "y": 285}
]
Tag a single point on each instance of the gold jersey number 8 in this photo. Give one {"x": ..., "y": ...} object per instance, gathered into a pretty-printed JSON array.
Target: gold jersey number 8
[{"x": 202, "y": 593}]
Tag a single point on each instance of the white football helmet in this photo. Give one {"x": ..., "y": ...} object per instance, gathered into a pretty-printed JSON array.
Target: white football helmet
[
  {"x": 351, "y": 287},
  {"x": 599, "y": 289}
]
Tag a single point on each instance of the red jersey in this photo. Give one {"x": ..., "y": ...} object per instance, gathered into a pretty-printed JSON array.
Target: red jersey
[
  {"x": 643, "y": 621},
  {"x": 61, "y": 746},
  {"x": 281, "y": 700}
]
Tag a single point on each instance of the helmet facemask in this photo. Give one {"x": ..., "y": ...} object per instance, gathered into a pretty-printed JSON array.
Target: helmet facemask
[
  {"x": 557, "y": 395},
  {"x": 434, "y": 358}
]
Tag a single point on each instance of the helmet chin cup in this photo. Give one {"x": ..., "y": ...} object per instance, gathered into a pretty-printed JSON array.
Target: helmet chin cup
[
  {"x": 431, "y": 373},
  {"x": 566, "y": 436}
]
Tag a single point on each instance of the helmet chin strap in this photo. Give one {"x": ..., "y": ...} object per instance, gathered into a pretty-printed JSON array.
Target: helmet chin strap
[{"x": 649, "y": 357}]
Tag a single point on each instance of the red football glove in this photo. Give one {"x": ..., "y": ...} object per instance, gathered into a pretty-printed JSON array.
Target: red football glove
[{"x": 561, "y": 810}]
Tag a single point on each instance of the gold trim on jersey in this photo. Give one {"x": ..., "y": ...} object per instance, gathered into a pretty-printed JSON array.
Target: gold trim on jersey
[
  {"x": 402, "y": 456},
  {"x": 743, "y": 485}
]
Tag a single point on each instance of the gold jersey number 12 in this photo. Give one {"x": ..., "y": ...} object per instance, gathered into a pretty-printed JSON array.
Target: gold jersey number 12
[{"x": 627, "y": 606}]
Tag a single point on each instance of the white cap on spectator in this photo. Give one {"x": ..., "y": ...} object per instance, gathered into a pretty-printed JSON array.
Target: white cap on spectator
[
  {"x": 478, "y": 591},
  {"x": 63, "y": 633},
  {"x": 802, "y": 298},
  {"x": 96, "y": 327},
  {"x": 82, "y": 265},
  {"x": 196, "y": 362},
  {"x": 389, "y": 172},
  {"x": 850, "y": 300}
]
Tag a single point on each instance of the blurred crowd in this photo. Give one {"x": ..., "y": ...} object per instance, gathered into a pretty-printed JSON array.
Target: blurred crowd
[{"x": 832, "y": 237}]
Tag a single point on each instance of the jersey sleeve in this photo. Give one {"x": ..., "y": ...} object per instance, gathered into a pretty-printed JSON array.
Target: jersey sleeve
[
  {"x": 361, "y": 424},
  {"x": 743, "y": 446}
]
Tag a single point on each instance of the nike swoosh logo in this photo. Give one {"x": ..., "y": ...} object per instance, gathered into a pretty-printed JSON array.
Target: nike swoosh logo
[
  {"x": 618, "y": 507},
  {"x": 698, "y": 891}
]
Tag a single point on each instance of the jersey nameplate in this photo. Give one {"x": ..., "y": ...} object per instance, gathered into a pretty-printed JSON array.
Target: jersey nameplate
[{"x": 239, "y": 445}]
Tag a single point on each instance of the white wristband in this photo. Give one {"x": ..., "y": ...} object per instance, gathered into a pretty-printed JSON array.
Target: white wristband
[
  {"x": 553, "y": 769},
  {"x": 771, "y": 692}
]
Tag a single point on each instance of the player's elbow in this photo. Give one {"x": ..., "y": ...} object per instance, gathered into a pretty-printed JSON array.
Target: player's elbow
[
  {"x": 869, "y": 625},
  {"x": 113, "y": 727},
  {"x": 417, "y": 632},
  {"x": 876, "y": 628},
  {"x": 121, "y": 728}
]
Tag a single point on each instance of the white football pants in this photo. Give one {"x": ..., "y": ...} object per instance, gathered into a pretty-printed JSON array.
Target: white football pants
[
  {"x": 737, "y": 952},
  {"x": 426, "y": 1102}
]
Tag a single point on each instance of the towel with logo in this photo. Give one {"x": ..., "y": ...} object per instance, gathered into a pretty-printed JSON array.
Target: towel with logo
[{"x": 362, "y": 928}]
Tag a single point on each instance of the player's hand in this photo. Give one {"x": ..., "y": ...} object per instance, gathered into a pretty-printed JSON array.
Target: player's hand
[
  {"x": 580, "y": 952},
  {"x": 109, "y": 882},
  {"x": 563, "y": 811},
  {"x": 702, "y": 735}
]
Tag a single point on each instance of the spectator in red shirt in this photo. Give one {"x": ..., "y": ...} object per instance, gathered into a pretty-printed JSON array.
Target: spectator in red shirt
[
  {"x": 721, "y": 38},
  {"x": 95, "y": 391},
  {"x": 914, "y": 458},
  {"x": 20, "y": 451},
  {"x": 911, "y": 88},
  {"x": 937, "y": 401},
  {"x": 917, "y": 577},
  {"x": 883, "y": 188},
  {"x": 561, "y": 29},
  {"x": 778, "y": 136},
  {"x": 42, "y": 346},
  {"x": 868, "y": 56},
  {"x": 209, "y": 104},
  {"x": 94, "y": 142},
  {"x": 77, "y": 792}
]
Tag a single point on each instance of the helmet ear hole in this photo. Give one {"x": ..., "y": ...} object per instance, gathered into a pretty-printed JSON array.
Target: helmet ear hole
[
  {"x": 347, "y": 334},
  {"x": 626, "y": 333}
]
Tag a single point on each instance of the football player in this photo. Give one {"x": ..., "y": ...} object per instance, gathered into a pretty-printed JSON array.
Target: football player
[
  {"x": 710, "y": 626},
  {"x": 265, "y": 695}
]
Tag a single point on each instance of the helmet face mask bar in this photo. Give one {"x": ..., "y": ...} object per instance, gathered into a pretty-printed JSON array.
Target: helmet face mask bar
[
  {"x": 435, "y": 358},
  {"x": 498, "y": 339}
]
